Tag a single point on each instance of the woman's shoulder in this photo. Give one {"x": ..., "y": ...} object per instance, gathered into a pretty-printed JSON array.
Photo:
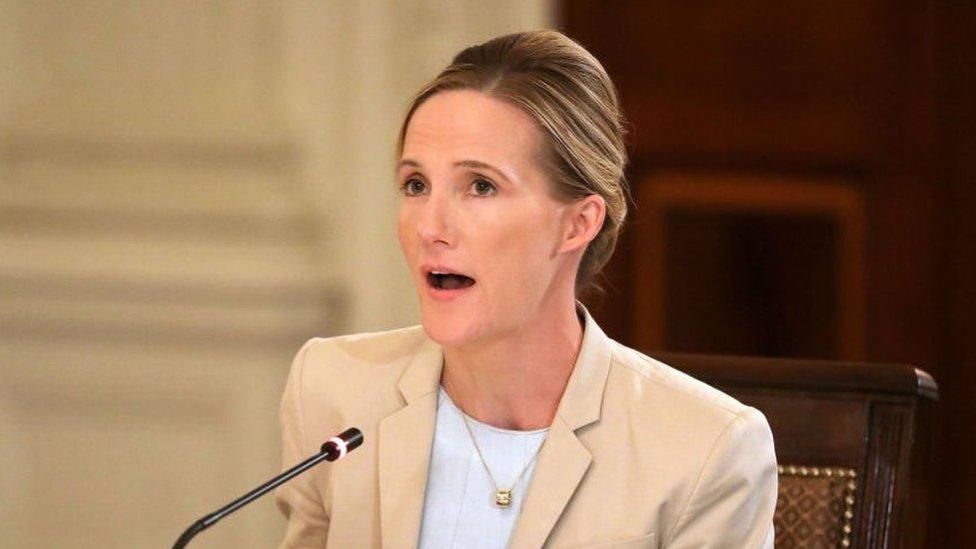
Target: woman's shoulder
[
  {"x": 333, "y": 369},
  {"x": 678, "y": 416},
  {"x": 666, "y": 394},
  {"x": 367, "y": 347}
]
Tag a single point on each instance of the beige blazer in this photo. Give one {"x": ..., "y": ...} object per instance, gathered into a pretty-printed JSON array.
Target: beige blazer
[{"x": 638, "y": 454}]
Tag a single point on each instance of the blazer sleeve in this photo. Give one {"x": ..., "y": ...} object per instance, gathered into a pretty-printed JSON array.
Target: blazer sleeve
[
  {"x": 299, "y": 499},
  {"x": 734, "y": 498}
]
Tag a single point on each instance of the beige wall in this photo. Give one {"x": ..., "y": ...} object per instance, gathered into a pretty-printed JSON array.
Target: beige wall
[{"x": 188, "y": 190}]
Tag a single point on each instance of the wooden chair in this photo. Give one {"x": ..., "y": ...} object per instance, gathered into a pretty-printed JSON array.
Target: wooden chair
[{"x": 851, "y": 441}]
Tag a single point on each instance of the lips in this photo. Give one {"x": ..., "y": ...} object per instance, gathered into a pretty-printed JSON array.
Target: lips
[{"x": 442, "y": 278}]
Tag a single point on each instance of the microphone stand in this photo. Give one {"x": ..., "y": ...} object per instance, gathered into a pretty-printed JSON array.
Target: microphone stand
[{"x": 332, "y": 450}]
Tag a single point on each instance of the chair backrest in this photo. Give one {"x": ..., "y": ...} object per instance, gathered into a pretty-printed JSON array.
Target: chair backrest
[{"x": 851, "y": 441}]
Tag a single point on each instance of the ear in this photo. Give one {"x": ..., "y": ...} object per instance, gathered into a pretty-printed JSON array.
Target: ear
[{"x": 584, "y": 219}]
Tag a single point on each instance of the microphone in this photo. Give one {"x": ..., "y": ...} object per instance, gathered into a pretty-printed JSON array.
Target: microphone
[{"x": 335, "y": 448}]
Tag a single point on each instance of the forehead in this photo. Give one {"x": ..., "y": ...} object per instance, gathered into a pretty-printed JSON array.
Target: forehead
[{"x": 471, "y": 124}]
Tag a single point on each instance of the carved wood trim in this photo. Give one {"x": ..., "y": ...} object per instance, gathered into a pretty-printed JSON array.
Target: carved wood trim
[
  {"x": 661, "y": 193},
  {"x": 885, "y": 462}
]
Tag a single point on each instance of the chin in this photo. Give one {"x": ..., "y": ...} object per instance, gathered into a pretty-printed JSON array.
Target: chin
[{"x": 450, "y": 328}]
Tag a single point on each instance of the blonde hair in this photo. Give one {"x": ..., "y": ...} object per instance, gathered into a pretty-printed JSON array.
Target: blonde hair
[{"x": 567, "y": 92}]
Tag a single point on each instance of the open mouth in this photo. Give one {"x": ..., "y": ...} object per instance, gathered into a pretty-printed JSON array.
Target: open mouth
[{"x": 449, "y": 281}]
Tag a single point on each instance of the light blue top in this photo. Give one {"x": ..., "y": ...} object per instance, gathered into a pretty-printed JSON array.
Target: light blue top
[{"x": 459, "y": 505}]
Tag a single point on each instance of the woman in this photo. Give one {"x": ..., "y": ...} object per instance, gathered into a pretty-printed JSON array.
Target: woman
[{"x": 509, "y": 418}]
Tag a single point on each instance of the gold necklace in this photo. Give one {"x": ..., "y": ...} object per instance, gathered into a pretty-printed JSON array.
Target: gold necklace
[{"x": 503, "y": 497}]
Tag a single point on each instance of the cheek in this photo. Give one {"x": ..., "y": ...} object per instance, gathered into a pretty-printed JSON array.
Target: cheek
[
  {"x": 403, "y": 226},
  {"x": 407, "y": 238},
  {"x": 519, "y": 250}
]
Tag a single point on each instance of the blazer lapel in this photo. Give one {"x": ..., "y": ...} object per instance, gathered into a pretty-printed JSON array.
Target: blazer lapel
[
  {"x": 405, "y": 439},
  {"x": 563, "y": 459}
]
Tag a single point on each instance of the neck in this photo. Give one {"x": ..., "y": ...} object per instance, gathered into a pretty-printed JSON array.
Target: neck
[{"x": 516, "y": 380}]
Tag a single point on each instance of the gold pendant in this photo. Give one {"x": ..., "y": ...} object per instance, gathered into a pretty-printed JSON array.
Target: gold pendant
[{"x": 503, "y": 498}]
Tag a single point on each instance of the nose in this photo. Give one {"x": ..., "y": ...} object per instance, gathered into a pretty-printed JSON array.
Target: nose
[{"x": 435, "y": 224}]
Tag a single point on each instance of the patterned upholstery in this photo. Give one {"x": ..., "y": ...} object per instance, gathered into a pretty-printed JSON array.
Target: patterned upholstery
[{"x": 815, "y": 508}]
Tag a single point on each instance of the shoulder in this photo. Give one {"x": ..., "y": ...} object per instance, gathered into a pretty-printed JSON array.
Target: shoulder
[
  {"x": 356, "y": 359},
  {"x": 353, "y": 376},
  {"x": 654, "y": 381},
  {"x": 659, "y": 399},
  {"x": 717, "y": 453},
  {"x": 371, "y": 350},
  {"x": 691, "y": 438}
]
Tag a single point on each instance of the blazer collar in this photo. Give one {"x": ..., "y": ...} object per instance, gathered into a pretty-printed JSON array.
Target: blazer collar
[
  {"x": 407, "y": 434},
  {"x": 583, "y": 398},
  {"x": 422, "y": 375}
]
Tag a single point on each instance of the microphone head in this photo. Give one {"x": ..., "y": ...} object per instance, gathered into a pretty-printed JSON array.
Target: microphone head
[{"x": 338, "y": 446}]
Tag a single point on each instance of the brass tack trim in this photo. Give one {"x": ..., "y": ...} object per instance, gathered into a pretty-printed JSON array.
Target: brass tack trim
[{"x": 830, "y": 472}]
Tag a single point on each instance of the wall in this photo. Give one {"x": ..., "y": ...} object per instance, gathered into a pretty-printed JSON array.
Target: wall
[{"x": 187, "y": 192}]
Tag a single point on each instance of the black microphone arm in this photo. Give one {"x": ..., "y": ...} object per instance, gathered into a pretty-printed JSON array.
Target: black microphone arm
[{"x": 333, "y": 449}]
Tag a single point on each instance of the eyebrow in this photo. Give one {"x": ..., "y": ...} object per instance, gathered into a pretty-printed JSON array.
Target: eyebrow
[{"x": 477, "y": 164}]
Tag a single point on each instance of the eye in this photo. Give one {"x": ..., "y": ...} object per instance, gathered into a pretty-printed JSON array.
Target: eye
[
  {"x": 483, "y": 187},
  {"x": 413, "y": 187}
]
